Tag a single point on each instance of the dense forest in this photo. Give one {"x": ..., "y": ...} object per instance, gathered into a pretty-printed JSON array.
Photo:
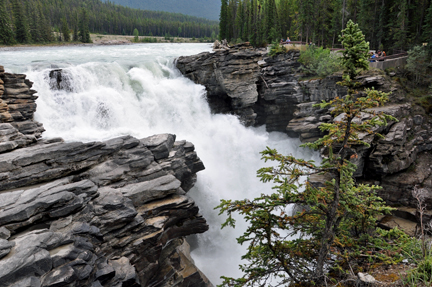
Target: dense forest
[
  {"x": 200, "y": 8},
  {"x": 387, "y": 24},
  {"x": 34, "y": 21}
]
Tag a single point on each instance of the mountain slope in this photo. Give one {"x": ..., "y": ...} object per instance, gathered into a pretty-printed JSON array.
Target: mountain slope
[{"x": 200, "y": 8}]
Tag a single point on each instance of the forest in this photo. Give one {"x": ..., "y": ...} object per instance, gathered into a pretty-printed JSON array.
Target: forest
[
  {"x": 34, "y": 21},
  {"x": 200, "y": 8},
  {"x": 387, "y": 24}
]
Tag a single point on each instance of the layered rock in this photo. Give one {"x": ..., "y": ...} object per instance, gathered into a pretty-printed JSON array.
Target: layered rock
[
  {"x": 17, "y": 107},
  {"x": 258, "y": 88},
  {"x": 285, "y": 103},
  {"x": 230, "y": 77},
  {"x": 112, "y": 213}
]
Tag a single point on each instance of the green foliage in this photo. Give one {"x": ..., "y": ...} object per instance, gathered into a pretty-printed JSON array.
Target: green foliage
[
  {"x": 208, "y": 9},
  {"x": 417, "y": 62},
  {"x": 422, "y": 273},
  {"x": 149, "y": 40},
  {"x": 319, "y": 61},
  {"x": 276, "y": 48},
  {"x": 34, "y": 20},
  {"x": 223, "y": 20},
  {"x": 356, "y": 53},
  {"x": 427, "y": 28},
  {"x": 65, "y": 30},
  {"x": 75, "y": 37},
  {"x": 136, "y": 35},
  {"x": 333, "y": 224},
  {"x": 22, "y": 31},
  {"x": 6, "y": 33},
  {"x": 84, "y": 33},
  {"x": 387, "y": 25}
]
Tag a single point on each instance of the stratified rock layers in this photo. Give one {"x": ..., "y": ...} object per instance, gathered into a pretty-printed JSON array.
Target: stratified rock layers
[
  {"x": 270, "y": 92},
  {"x": 110, "y": 213}
]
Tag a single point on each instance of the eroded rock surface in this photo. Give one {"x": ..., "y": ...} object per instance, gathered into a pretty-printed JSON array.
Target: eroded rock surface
[
  {"x": 110, "y": 213},
  {"x": 284, "y": 102}
]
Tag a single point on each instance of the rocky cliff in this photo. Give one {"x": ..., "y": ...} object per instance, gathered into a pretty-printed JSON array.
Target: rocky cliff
[
  {"x": 110, "y": 213},
  {"x": 269, "y": 90}
]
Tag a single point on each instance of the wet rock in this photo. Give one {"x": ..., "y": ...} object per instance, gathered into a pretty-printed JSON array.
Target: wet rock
[
  {"x": 90, "y": 214},
  {"x": 230, "y": 77},
  {"x": 60, "y": 80},
  {"x": 285, "y": 103}
]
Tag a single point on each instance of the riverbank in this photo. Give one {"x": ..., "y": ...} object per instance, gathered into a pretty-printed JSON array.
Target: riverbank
[{"x": 99, "y": 39}]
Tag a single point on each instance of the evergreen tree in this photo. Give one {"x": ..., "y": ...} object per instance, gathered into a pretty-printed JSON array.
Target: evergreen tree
[
  {"x": 136, "y": 35},
  {"x": 65, "y": 30},
  {"x": 400, "y": 23},
  {"x": 334, "y": 222},
  {"x": 22, "y": 34},
  {"x": 34, "y": 22},
  {"x": 44, "y": 26},
  {"x": 253, "y": 29},
  {"x": 84, "y": 34},
  {"x": 6, "y": 33},
  {"x": 427, "y": 28},
  {"x": 223, "y": 20},
  {"x": 356, "y": 53},
  {"x": 239, "y": 21},
  {"x": 75, "y": 37},
  {"x": 270, "y": 23},
  {"x": 230, "y": 19}
]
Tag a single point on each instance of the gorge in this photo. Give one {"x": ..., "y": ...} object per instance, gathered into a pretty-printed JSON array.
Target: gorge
[
  {"x": 112, "y": 209},
  {"x": 116, "y": 91},
  {"x": 270, "y": 91}
]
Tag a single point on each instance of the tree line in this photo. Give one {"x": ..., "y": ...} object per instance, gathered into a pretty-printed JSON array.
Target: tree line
[
  {"x": 38, "y": 21},
  {"x": 387, "y": 24},
  {"x": 208, "y": 9}
]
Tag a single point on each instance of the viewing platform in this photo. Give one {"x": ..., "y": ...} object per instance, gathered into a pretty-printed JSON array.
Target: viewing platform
[{"x": 398, "y": 59}]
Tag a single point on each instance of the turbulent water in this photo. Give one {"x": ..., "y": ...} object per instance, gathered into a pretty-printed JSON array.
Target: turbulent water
[{"x": 136, "y": 90}]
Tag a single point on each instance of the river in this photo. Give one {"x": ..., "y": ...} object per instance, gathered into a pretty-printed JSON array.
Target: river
[{"x": 137, "y": 90}]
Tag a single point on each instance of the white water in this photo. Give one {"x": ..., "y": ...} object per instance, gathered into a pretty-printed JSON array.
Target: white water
[{"x": 137, "y": 90}]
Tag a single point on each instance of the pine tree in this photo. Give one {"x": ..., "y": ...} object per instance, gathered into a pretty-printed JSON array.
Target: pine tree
[
  {"x": 239, "y": 21},
  {"x": 75, "y": 37},
  {"x": 335, "y": 222},
  {"x": 355, "y": 55},
  {"x": 427, "y": 28},
  {"x": 223, "y": 20},
  {"x": 253, "y": 29},
  {"x": 400, "y": 24},
  {"x": 45, "y": 27},
  {"x": 22, "y": 34},
  {"x": 65, "y": 30},
  {"x": 136, "y": 35},
  {"x": 6, "y": 33},
  {"x": 84, "y": 34},
  {"x": 34, "y": 22},
  {"x": 230, "y": 20},
  {"x": 270, "y": 23}
]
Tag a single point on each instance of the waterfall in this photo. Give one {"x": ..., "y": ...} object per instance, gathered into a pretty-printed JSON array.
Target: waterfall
[{"x": 109, "y": 91}]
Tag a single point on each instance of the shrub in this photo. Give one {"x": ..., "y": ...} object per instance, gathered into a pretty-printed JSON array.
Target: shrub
[
  {"x": 276, "y": 48},
  {"x": 417, "y": 63},
  {"x": 319, "y": 61}
]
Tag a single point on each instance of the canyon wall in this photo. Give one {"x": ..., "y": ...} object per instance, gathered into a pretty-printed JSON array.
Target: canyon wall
[
  {"x": 112, "y": 213},
  {"x": 270, "y": 90}
]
